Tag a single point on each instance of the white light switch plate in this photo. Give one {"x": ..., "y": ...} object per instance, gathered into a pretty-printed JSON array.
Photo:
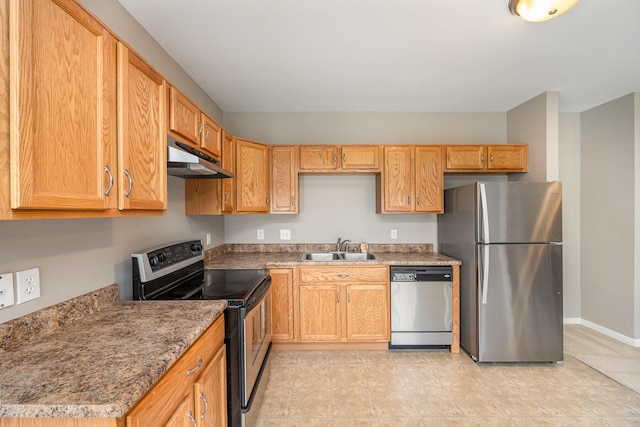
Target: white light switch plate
[
  {"x": 260, "y": 234},
  {"x": 27, "y": 285},
  {"x": 394, "y": 234},
  {"x": 6, "y": 290}
]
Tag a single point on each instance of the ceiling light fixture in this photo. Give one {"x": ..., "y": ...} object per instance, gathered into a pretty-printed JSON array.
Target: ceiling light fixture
[{"x": 540, "y": 10}]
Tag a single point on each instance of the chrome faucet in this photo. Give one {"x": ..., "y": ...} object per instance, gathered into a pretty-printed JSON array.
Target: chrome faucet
[{"x": 341, "y": 244}]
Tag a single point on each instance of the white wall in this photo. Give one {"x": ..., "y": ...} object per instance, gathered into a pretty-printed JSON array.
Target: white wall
[
  {"x": 569, "y": 165},
  {"x": 608, "y": 216},
  {"x": 76, "y": 256}
]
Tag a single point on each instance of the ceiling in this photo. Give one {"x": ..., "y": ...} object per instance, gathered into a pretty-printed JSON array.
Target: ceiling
[{"x": 396, "y": 55}]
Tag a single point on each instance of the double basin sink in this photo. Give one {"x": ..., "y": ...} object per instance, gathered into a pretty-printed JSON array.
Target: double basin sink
[{"x": 338, "y": 256}]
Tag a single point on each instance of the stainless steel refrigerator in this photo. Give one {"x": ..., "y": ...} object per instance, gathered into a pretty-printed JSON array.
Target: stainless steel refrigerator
[{"x": 508, "y": 236}]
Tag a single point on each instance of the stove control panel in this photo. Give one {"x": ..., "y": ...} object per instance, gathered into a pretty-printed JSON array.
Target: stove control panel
[{"x": 159, "y": 261}]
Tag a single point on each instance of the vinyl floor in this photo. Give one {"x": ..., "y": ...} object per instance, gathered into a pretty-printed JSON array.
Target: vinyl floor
[{"x": 598, "y": 384}]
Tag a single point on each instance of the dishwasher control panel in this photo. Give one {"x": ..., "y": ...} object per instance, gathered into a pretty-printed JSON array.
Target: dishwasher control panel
[{"x": 422, "y": 274}]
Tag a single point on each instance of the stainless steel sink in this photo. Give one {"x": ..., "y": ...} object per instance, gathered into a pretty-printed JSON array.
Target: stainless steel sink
[
  {"x": 338, "y": 256},
  {"x": 320, "y": 256},
  {"x": 358, "y": 256}
]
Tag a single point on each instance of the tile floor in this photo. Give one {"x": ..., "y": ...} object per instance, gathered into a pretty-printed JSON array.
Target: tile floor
[{"x": 436, "y": 388}]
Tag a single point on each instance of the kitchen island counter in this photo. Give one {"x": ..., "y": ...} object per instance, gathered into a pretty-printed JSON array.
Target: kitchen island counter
[{"x": 100, "y": 364}]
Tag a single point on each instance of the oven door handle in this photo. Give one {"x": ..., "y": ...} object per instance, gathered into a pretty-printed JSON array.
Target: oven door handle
[{"x": 258, "y": 295}]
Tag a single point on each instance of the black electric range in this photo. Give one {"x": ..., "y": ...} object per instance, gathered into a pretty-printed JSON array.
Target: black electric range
[{"x": 176, "y": 272}]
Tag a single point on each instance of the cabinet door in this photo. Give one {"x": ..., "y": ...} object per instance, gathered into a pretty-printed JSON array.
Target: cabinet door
[
  {"x": 282, "y": 304},
  {"x": 465, "y": 157},
  {"x": 284, "y": 180},
  {"x": 142, "y": 140},
  {"x": 211, "y": 392},
  {"x": 360, "y": 157},
  {"x": 211, "y": 136},
  {"x": 320, "y": 317},
  {"x": 228, "y": 185},
  {"x": 429, "y": 179},
  {"x": 510, "y": 158},
  {"x": 184, "y": 117},
  {"x": 318, "y": 157},
  {"x": 397, "y": 178},
  {"x": 62, "y": 108},
  {"x": 184, "y": 415},
  {"x": 252, "y": 176},
  {"x": 367, "y": 312}
]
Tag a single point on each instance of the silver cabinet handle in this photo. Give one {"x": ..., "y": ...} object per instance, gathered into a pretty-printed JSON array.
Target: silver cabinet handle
[
  {"x": 126, "y": 194},
  {"x": 482, "y": 159},
  {"x": 108, "y": 190},
  {"x": 226, "y": 197},
  {"x": 342, "y": 275},
  {"x": 349, "y": 297},
  {"x": 344, "y": 158},
  {"x": 335, "y": 158},
  {"x": 418, "y": 200},
  {"x": 491, "y": 158},
  {"x": 206, "y": 406},
  {"x": 206, "y": 134},
  {"x": 199, "y": 127},
  {"x": 267, "y": 199},
  {"x": 292, "y": 200},
  {"x": 191, "y": 371},
  {"x": 338, "y": 297},
  {"x": 409, "y": 199},
  {"x": 193, "y": 420}
]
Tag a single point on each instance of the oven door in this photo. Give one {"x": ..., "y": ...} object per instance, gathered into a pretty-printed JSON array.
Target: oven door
[{"x": 256, "y": 321}]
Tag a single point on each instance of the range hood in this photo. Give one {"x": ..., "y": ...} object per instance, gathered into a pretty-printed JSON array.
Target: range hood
[{"x": 185, "y": 161}]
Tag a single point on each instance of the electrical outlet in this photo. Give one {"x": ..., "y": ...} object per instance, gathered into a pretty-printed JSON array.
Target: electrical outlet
[
  {"x": 260, "y": 234},
  {"x": 27, "y": 285},
  {"x": 394, "y": 234},
  {"x": 285, "y": 234},
  {"x": 208, "y": 239},
  {"x": 6, "y": 290}
]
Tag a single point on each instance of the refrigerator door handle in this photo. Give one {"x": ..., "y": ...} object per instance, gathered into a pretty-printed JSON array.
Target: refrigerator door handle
[
  {"x": 484, "y": 273},
  {"x": 485, "y": 214}
]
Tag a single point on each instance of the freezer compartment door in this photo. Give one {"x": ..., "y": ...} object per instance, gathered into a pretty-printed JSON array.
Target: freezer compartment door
[
  {"x": 519, "y": 212},
  {"x": 520, "y": 303}
]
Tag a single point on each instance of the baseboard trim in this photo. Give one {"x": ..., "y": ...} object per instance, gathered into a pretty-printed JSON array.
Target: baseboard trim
[
  {"x": 607, "y": 332},
  {"x": 571, "y": 320}
]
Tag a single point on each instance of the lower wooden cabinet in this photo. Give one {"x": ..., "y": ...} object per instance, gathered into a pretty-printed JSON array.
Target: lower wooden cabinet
[
  {"x": 192, "y": 392},
  {"x": 282, "y": 304},
  {"x": 344, "y": 303}
]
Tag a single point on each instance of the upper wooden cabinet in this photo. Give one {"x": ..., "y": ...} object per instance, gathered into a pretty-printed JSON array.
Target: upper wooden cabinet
[
  {"x": 284, "y": 179},
  {"x": 142, "y": 140},
  {"x": 252, "y": 177},
  {"x": 189, "y": 124},
  {"x": 411, "y": 180},
  {"x": 486, "y": 158},
  {"x": 334, "y": 158},
  {"x": 228, "y": 185},
  {"x": 63, "y": 107}
]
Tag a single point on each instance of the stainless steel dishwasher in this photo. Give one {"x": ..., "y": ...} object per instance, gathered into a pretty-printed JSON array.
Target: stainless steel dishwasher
[{"x": 421, "y": 306}]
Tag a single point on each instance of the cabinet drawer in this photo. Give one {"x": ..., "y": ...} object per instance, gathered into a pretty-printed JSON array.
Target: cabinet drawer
[
  {"x": 158, "y": 404},
  {"x": 343, "y": 274}
]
